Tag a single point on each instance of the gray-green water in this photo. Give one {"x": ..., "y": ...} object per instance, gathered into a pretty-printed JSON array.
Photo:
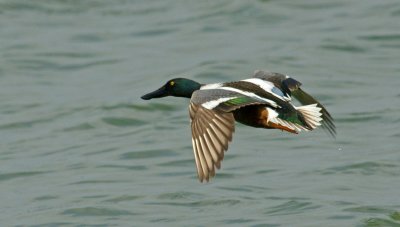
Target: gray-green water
[{"x": 79, "y": 147}]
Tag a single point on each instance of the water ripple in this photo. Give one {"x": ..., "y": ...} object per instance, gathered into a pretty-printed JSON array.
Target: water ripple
[
  {"x": 72, "y": 55},
  {"x": 186, "y": 162},
  {"x": 154, "y": 32},
  {"x": 246, "y": 188},
  {"x": 123, "y": 122},
  {"x": 79, "y": 127},
  {"x": 132, "y": 167},
  {"x": 51, "y": 7},
  {"x": 46, "y": 197},
  {"x": 238, "y": 221},
  {"x": 23, "y": 124},
  {"x": 88, "y": 38},
  {"x": 392, "y": 216},
  {"x": 364, "y": 168},
  {"x": 381, "y": 38},
  {"x": 13, "y": 108},
  {"x": 263, "y": 224},
  {"x": 291, "y": 207},
  {"x": 359, "y": 117},
  {"x": 39, "y": 64},
  {"x": 368, "y": 209},
  {"x": 11, "y": 176},
  {"x": 148, "y": 154},
  {"x": 124, "y": 198},
  {"x": 344, "y": 48},
  {"x": 97, "y": 182},
  {"x": 381, "y": 222},
  {"x": 202, "y": 203},
  {"x": 182, "y": 195},
  {"x": 148, "y": 107},
  {"x": 94, "y": 211},
  {"x": 52, "y": 224},
  {"x": 146, "y": 10}
]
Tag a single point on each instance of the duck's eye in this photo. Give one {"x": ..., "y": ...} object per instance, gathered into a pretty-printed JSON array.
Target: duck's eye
[{"x": 172, "y": 83}]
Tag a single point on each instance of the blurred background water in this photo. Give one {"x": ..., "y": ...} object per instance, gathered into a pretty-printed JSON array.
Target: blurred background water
[{"x": 80, "y": 148}]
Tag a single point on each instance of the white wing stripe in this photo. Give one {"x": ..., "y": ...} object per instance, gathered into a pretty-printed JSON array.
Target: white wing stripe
[
  {"x": 211, "y": 86},
  {"x": 213, "y": 103},
  {"x": 249, "y": 94},
  {"x": 268, "y": 87}
]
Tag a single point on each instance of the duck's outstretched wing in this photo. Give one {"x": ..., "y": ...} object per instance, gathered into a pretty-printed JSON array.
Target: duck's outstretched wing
[
  {"x": 291, "y": 87},
  {"x": 211, "y": 133},
  {"x": 213, "y": 124}
]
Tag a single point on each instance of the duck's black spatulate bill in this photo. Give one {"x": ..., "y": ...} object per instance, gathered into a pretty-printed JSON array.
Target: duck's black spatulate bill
[{"x": 159, "y": 93}]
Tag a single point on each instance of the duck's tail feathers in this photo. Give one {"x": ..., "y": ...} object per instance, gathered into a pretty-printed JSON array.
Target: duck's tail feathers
[
  {"x": 312, "y": 115},
  {"x": 287, "y": 125}
]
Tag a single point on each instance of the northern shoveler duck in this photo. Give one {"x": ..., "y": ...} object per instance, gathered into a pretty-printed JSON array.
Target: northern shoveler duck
[{"x": 263, "y": 101}]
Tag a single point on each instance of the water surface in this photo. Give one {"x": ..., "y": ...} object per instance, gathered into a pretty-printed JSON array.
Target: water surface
[{"x": 79, "y": 147}]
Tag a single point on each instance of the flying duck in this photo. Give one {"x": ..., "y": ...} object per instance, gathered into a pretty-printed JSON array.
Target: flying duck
[{"x": 263, "y": 101}]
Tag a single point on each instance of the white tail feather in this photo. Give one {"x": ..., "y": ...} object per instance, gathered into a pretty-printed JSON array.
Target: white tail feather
[
  {"x": 312, "y": 114},
  {"x": 288, "y": 124}
]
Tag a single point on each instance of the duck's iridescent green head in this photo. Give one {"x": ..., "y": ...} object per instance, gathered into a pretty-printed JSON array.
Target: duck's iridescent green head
[{"x": 178, "y": 87}]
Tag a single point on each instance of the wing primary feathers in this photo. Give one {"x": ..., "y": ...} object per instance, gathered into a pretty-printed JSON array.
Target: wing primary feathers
[
  {"x": 207, "y": 154},
  {"x": 197, "y": 160},
  {"x": 204, "y": 151},
  {"x": 217, "y": 142},
  {"x": 211, "y": 147},
  {"x": 211, "y": 132},
  {"x": 202, "y": 160}
]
